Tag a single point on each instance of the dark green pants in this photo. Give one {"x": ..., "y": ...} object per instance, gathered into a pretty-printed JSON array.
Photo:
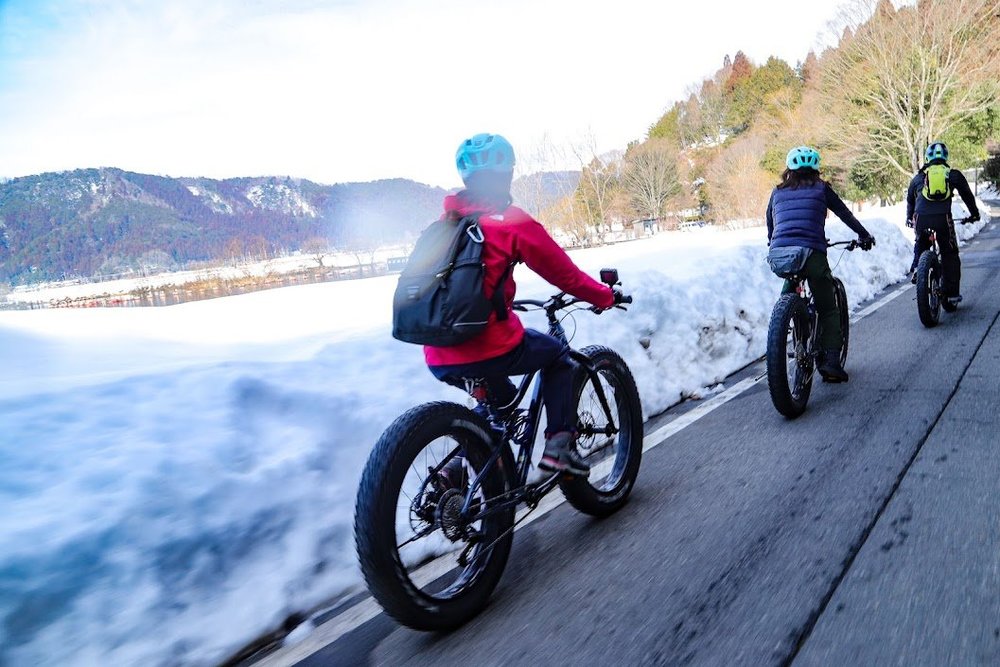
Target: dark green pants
[{"x": 820, "y": 278}]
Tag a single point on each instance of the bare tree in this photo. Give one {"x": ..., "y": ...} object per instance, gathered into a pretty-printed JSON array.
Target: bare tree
[
  {"x": 258, "y": 248},
  {"x": 902, "y": 78},
  {"x": 364, "y": 250},
  {"x": 650, "y": 177},
  {"x": 600, "y": 178},
  {"x": 739, "y": 188},
  {"x": 566, "y": 219},
  {"x": 318, "y": 247},
  {"x": 234, "y": 250},
  {"x": 529, "y": 188}
]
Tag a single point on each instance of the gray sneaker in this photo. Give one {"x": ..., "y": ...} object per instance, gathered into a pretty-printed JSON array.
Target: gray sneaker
[{"x": 560, "y": 455}]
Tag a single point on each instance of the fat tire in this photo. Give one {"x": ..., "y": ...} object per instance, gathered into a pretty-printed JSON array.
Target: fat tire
[
  {"x": 578, "y": 491},
  {"x": 375, "y": 517},
  {"x": 843, "y": 308},
  {"x": 928, "y": 269},
  {"x": 789, "y": 306}
]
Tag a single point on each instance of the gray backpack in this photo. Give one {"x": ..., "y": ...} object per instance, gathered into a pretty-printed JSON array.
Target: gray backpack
[{"x": 786, "y": 261}]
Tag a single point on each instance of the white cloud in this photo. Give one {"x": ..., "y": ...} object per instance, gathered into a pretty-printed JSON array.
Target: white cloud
[{"x": 353, "y": 90}]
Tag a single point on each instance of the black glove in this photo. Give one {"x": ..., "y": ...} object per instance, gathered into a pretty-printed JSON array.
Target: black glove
[
  {"x": 867, "y": 242},
  {"x": 909, "y": 223},
  {"x": 618, "y": 299}
]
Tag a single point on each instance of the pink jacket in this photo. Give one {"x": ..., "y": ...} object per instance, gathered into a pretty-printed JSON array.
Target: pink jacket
[{"x": 514, "y": 236}]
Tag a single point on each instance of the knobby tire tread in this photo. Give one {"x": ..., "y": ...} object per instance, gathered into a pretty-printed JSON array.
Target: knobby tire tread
[
  {"x": 787, "y": 307},
  {"x": 844, "y": 310},
  {"x": 929, "y": 317},
  {"x": 374, "y": 525}
]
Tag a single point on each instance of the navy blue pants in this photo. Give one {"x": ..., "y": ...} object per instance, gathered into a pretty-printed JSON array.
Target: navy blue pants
[{"x": 537, "y": 351}]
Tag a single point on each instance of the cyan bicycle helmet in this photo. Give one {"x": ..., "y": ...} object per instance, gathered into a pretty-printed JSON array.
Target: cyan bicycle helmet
[
  {"x": 802, "y": 157},
  {"x": 936, "y": 151},
  {"x": 484, "y": 152}
]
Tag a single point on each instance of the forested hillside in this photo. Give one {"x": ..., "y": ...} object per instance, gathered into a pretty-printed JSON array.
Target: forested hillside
[{"x": 896, "y": 79}]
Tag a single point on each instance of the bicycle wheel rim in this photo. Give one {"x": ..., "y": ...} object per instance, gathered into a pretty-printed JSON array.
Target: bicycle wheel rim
[
  {"x": 799, "y": 370},
  {"x": 604, "y": 452},
  {"x": 934, "y": 290},
  {"x": 430, "y": 563}
]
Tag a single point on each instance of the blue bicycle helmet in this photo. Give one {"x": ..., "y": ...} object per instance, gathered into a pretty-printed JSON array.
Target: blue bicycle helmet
[
  {"x": 802, "y": 157},
  {"x": 484, "y": 152},
  {"x": 936, "y": 151}
]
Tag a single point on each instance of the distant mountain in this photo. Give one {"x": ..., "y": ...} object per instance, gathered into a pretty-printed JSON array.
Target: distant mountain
[
  {"x": 90, "y": 221},
  {"x": 102, "y": 221}
]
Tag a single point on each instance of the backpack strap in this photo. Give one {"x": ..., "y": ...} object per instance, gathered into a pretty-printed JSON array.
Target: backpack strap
[
  {"x": 466, "y": 222},
  {"x": 499, "y": 306}
]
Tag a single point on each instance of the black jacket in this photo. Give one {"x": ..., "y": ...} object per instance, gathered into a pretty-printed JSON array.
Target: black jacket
[{"x": 916, "y": 204}]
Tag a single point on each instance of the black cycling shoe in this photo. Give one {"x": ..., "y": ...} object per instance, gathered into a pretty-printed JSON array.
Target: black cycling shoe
[
  {"x": 560, "y": 455},
  {"x": 829, "y": 366}
]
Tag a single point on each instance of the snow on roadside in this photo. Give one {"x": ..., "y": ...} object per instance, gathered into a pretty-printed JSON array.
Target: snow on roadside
[{"x": 176, "y": 481}]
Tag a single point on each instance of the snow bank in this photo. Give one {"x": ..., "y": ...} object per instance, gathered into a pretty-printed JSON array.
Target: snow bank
[{"x": 176, "y": 481}]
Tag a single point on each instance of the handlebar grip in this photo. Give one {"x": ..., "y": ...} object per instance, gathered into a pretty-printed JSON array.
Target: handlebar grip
[{"x": 626, "y": 298}]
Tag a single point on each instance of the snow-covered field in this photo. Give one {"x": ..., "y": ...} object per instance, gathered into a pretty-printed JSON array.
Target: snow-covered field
[{"x": 176, "y": 481}]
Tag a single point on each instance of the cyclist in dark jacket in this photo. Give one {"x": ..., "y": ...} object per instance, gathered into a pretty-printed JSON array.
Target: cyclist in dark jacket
[
  {"x": 924, "y": 214},
  {"x": 796, "y": 217}
]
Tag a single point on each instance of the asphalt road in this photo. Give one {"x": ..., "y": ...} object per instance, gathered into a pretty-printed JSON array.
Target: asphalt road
[{"x": 865, "y": 532}]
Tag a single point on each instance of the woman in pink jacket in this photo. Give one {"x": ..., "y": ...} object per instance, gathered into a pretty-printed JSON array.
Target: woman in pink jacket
[{"x": 486, "y": 164}]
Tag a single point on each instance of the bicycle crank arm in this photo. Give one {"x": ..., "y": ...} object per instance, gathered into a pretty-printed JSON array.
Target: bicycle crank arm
[{"x": 608, "y": 430}]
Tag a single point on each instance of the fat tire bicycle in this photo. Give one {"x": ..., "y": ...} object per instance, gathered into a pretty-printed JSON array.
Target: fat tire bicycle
[
  {"x": 792, "y": 341},
  {"x": 405, "y": 516},
  {"x": 930, "y": 299}
]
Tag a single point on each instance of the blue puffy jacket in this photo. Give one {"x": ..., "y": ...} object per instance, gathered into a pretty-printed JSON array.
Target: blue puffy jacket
[{"x": 797, "y": 216}]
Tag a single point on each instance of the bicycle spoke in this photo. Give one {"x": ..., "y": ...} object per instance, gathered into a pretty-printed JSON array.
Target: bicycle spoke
[{"x": 427, "y": 531}]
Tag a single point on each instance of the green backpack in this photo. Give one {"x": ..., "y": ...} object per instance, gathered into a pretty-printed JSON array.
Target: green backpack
[{"x": 937, "y": 182}]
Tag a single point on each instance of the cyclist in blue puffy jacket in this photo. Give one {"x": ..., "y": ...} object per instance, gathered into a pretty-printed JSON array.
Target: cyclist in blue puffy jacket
[{"x": 796, "y": 217}]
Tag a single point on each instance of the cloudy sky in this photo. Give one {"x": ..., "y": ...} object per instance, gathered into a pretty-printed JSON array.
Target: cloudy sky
[{"x": 351, "y": 90}]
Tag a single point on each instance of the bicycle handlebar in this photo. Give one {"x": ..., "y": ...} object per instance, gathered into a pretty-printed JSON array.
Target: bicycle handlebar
[
  {"x": 559, "y": 302},
  {"x": 848, "y": 245}
]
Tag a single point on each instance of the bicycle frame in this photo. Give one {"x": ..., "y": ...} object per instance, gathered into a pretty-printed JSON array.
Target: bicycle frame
[
  {"x": 801, "y": 288},
  {"x": 520, "y": 426}
]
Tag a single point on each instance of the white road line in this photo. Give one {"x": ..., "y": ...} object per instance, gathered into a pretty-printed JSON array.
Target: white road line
[
  {"x": 367, "y": 609},
  {"x": 868, "y": 310}
]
